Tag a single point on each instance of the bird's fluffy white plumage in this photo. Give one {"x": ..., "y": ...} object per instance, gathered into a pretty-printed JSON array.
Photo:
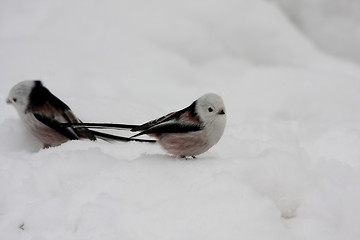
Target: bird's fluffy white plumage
[
  {"x": 19, "y": 95},
  {"x": 210, "y": 110},
  {"x": 43, "y": 113}
]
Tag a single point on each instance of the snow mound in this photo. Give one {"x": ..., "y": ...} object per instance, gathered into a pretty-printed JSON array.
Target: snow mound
[{"x": 287, "y": 166}]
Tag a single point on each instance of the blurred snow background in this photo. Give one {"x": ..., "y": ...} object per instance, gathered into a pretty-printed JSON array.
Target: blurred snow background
[{"x": 287, "y": 167}]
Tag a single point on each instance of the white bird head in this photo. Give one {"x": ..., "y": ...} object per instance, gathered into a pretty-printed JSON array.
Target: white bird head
[
  {"x": 19, "y": 95},
  {"x": 210, "y": 107},
  {"x": 211, "y": 110}
]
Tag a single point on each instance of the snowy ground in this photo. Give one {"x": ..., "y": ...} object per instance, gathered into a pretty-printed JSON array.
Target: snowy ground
[{"x": 287, "y": 167}]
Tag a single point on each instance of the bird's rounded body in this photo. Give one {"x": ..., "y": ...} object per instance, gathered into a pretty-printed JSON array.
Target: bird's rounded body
[
  {"x": 43, "y": 113},
  {"x": 202, "y": 123},
  {"x": 46, "y": 135}
]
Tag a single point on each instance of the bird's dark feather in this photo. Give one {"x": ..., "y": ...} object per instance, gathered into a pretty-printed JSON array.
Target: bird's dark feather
[
  {"x": 99, "y": 125},
  {"x": 52, "y": 123},
  {"x": 110, "y": 137},
  {"x": 171, "y": 127},
  {"x": 171, "y": 116},
  {"x": 40, "y": 95}
]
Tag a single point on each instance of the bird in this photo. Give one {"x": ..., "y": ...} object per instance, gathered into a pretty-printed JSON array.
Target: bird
[
  {"x": 185, "y": 133},
  {"x": 42, "y": 112}
]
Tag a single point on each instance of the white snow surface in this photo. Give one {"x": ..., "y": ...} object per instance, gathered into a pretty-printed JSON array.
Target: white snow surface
[{"x": 287, "y": 167}]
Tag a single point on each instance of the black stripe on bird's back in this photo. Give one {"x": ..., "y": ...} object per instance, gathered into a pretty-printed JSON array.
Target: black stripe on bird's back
[
  {"x": 171, "y": 116},
  {"x": 40, "y": 95}
]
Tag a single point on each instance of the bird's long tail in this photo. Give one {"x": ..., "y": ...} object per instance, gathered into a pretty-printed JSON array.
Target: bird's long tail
[
  {"x": 110, "y": 137},
  {"x": 100, "y": 125}
]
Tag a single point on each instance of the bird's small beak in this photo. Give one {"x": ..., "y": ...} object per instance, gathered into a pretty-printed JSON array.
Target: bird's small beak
[
  {"x": 8, "y": 101},
  {"x": 222, "y": 112}
]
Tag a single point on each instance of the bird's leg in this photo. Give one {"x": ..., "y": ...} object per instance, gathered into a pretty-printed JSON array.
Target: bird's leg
[{"x": 188, "y": 158}]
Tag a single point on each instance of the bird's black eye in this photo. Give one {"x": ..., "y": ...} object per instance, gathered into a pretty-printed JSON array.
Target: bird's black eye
[
  {"x": 210, "y": 109},
  {"x": 14, "y": 99}
]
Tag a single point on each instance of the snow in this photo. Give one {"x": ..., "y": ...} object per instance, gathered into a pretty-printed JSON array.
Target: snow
[
  {"x": 339, "y": 31},
  {"x": 287, "y": 167}
]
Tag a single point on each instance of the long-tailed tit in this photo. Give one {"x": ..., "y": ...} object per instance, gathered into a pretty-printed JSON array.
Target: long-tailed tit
[{"x": 42, "y": 113}]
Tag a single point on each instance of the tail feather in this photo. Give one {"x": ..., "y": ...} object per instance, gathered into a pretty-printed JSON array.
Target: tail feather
[
  {"x": 110, "y": 137},
  {"x": 100, "y": 125}
]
